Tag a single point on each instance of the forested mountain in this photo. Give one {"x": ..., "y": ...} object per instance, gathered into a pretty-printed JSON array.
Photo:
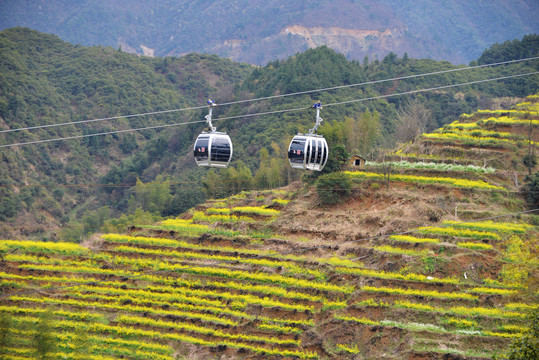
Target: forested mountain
[
  {"x": 44, "y": 81},
  {"x": 258, "y": 31},
  {"x": 79, "y": 183}
]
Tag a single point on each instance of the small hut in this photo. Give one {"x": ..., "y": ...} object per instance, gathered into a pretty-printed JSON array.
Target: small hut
[{"x": 357, "y": 161}]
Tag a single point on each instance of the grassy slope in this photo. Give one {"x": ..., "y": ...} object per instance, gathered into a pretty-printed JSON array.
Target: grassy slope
[{"x": 233, "y": 278}]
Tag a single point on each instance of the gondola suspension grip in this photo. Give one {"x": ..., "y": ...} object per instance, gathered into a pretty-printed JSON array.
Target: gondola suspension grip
[{"x": 211, "y": 104}]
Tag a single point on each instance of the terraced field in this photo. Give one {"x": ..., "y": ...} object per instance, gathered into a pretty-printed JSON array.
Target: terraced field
[{"x": 429, "y": 265}]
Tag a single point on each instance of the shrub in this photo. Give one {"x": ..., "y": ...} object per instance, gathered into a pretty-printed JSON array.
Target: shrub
[
  {"x": 531, "y": 190},
  {"x": 527, "y": 346},
  {"x": 334, "y": 187}
]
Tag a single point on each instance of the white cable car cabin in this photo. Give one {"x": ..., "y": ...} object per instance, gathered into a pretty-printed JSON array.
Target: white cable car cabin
[
  {"x": 309, "y": 151},
  {"x": 213, "y": 148}
]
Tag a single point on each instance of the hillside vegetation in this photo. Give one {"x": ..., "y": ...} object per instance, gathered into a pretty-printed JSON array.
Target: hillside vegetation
[
  {"x": 430, "y": 255},
  {"x": 69, "y": 189}
]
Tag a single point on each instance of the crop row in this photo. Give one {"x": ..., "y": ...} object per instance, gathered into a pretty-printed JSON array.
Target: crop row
[
  {"x": 223, "y": 260},
  {"x": 257, "y": 210},
  {"x": 481, "y": 133},
  {"x": 151, "y": 334},
  {"x": 492, "y": 291},
  {"x": 521, "y": 306},
  {"x": 218, "y": 211},
  {"x": 182, "y": 297},
  {"x": 460, "y": 125},
  {"x": 68, "y": 348},
  {"x": 135, "y": 320},
  {"x": 65, "y": 339},
  {"x": 194, "y": 296},
  {"x": 27, "y": 354},
  {"x": 185, "y": 310},
  {"x": 461, "y": 183},
  {"x": 46, "y": 278},
  {"x": 474, "y": 246},
  {"x": 226, "y": 218},
  {"x": 158, "y": 265},
  {"x": 490, "y": 226},
  {"x": 187, "y": 228},
  {"x": 433, "y": 166},
  {"x": 280, "y": 328},
  {"x": 350, "y": 349},
  {"x": 42, "y": 247},
  {"x": 244, "y": 275},
  {"x": 507, "y": 120},
  {"x": 132, "y": 348},
  {"x": 411, "y": 155},
  {"x": 79, "y": 315},
  {"x": 178, "y": 285},
  {"x": 470, "y": 139},
  {"x": 142, "y": 240},
  {"x": 462, "y": 310},
  {"x": 397, "y": 276},
  {"x": 77, "y": 269},
  {"x": 420, "y": 327},
  {"x": 27, "y": 258},
  {"x": 273, "y": 278},
  {"x": 439, "y": 329},
  {"x": 397, "y": 250},
  {"x": 413, "y": 239},
  {"x": 417, "y": 292},
  {"x": 257, "y": 277},
  {"x": 458, "y": 232}
]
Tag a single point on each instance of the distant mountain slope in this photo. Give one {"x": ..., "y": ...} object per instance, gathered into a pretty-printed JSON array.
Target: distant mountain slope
[{"x": 260, "y": 31}]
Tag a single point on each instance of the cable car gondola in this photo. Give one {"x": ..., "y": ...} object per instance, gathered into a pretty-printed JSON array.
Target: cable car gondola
[
  {"x": 309, "y": 151},
  {"x": 212, "y": 148}
]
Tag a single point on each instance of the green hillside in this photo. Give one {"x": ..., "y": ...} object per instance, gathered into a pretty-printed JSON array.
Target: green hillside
[
  {"x": 432, "y": 254},
  {"x": 46, "y": 81},
  {"x": 72, "y": 188}
]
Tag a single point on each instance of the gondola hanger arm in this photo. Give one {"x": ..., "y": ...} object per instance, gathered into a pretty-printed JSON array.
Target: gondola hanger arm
[
  {"x": 211, "y": 104},
  {"x": 317, "y": 105}
]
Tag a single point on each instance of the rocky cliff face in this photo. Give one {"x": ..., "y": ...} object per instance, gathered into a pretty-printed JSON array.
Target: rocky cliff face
[
  {"x": 354, "y": 43},
  {"x": 344, "y": 40}
]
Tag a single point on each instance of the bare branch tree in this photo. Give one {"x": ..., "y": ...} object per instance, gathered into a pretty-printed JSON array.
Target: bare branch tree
[{"x": 413, "y": 119}]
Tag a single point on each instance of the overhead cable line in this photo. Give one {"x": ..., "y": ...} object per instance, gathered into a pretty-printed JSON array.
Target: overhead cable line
[
  {"x": 102, "y": 133},
  {"x": 432, "y": 89},
  {"x": 381, "y": 81},
  {"x": 270, "y": 112},
  {"x": 269, "y": 97},
  {"x": 280, "y": 253}
]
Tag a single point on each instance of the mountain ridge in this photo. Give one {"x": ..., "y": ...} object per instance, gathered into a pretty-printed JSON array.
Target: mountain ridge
[{"x": 451, "y": 31}]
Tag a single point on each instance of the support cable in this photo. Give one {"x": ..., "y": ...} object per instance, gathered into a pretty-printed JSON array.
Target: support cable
[{"x": 270, "y": 112}]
